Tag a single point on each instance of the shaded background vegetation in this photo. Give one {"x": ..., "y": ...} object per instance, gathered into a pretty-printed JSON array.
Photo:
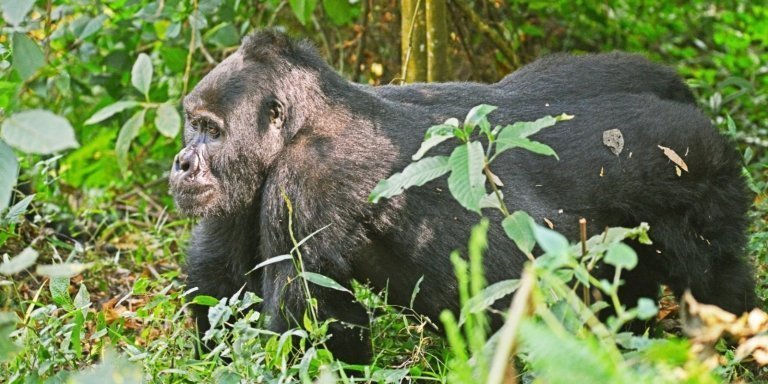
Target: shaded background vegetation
[{"x": 107, "y": 203}]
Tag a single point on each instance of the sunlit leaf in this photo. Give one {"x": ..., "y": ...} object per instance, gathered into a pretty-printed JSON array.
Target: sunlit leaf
[
  {"x": 141, "y": 74},
  {"x": 167, "y": 120},
  {"x": 519, "y": 227},
  {"x": 14, "y": 11},
  {"x": 467, "y": 181},
  {"x": 621, "y": 255},
  {"x": 18, "y": 209},
  {"x": 128, "y": 132},
  {"x": 38, "y": 131},
  {"x": 303, "y": 9},
  {"x": 416, "y": 174},
  {"x": 27, "y": 55},
  {"x": 323, "y": 281},
  {"x": 63, "y": 270},
  {"x": 109, "y": 110},
  {"x": 9, "y": 171},
  {"x": 487, "y": 297}
]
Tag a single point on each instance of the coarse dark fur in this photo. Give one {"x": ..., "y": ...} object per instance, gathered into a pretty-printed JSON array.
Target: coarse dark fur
[{"x": 274, "y": 117}]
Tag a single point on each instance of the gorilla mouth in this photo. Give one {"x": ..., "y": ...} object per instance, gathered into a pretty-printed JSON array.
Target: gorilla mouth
[{"x": 194, "y": 198}]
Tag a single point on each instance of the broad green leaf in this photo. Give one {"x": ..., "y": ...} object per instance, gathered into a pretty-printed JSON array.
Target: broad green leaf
[
  {"x": 27, "y": 55},
  {"x": 109, "y": 110},
  {"x": 475, "y": 115},
  {"x": 430, "y": 143},
  {"x": 14, "y": 11},
  {"x": 621, "y": 255},
  {"x": 8, "y": 348},
  {"x": 208, "y": 301},
  {"x": 303, "y": 9},
  {"x": 467, "y": 181},
  {"x": 18, "y": 209},
  {"x": 16, "y": 264},
  {"x": 63, "y": 270},
  {"x": 339, "y": 11},
  {"x": 82, "y": 299},
  {"x": 550, "y": 241},
  {"x": 503, "y": 144},
  {"x": 93, "y": 26},
  {"x": 9, "y": 172},
  {"x": 128, "y": 132},
  {"x": 524, "y": 129},
  {"x": 491, "y": 201},
  {"x": 416, "y": 174},
  {"x": 167, "y": 120},
  {"x": 487, "y": 297},
  {"x": 646, "y": 308},
  {"x": 519, "y": 227},
  {"x": 323, "y": 281},
  {"x": 442, "y": 129},
  {"x": 141, "y": 74},
  {"x": 223, "y": 35},
  {"x": 59, "y": 287},
  {"x": 39, "y": 131}
]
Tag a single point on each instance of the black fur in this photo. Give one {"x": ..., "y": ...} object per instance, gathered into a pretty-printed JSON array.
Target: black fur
[{"x": 289, "y": 123}]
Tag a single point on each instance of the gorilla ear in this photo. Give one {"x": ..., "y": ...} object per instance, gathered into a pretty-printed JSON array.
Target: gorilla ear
[{"x": 276, "y": 114}]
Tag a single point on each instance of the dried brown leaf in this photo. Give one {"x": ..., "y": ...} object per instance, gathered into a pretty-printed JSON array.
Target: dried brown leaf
[{"x": 672, "y": 155}]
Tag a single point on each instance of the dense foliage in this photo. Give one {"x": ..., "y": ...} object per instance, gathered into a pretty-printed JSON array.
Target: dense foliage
[{"x": 89, "y": 119}]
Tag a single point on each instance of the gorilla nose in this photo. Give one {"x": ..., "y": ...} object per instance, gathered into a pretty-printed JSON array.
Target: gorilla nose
[{"x": 186, "y": 163}]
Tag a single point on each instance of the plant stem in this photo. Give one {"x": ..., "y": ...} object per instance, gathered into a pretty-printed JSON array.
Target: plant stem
[{"x": 489, "y": 176}]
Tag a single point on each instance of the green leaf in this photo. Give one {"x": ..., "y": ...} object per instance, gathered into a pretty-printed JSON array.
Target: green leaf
[
  {"x": 487, "y": 297},
  {"x": 646, "y": 308},
  {"x": 223, "y": 35},
  {"x": 9, "y": 172},
  {"x": 110, "y": 110},
  {"x": 59, "y": 288},
  {"x": 18, "y": 209},
  {"x": 550, "y": 241},
  {"x": 519, "y": 227},
  {"x": 208, "y": 301},
  {"x": 339, "y": 11},
  {"x": 416, "y": 174},
  {"x": 491, "y": 201},
  {"x": 621, "y": 255},
  {"x": 141, "y": 74},
  {"x": 269, "y": 261},
  {"x": 128, "y": 132},
  {"x": 39, "y": 131},
  {"x": 524, "y": 129},
  {"x": 467, "y": 181},
  {"x": 430, "y": 143},
  {"x": 82, "y": 300},
  {"x": 559, "y": 357},
  {"x": 8, "y": 348},
  {"x": 27, "y": 55},
  {"x": 323, "y": 281},
  {"x": 503, "y": 144},
  {"x": 14, "y": 11},
  {"x": 64, "y": 270},
  {"x": 475, "y": 115},
  {"x": 303, "y": 9},
  {"x": 167, "y": 120},
  {"x": 93, "y": 26},
  {"x": 22, "y": 261}
]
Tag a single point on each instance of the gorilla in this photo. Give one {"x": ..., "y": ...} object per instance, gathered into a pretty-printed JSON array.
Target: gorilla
[{"x": 274, "y": 120}]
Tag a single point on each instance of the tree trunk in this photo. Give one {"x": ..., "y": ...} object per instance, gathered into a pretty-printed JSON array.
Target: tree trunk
[
  {"x": 413, "y": 39},
  {"x": 437, "y": 41}
]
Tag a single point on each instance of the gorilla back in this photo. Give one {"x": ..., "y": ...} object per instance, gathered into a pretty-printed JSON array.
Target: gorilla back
[{"x": 274, "y": 120}]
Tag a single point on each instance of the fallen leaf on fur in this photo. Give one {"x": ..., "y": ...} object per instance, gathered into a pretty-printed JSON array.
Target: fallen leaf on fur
[
  {"x": 602, "y": 171},
  {"x": 550, "y": 224},
  {"x": 614, "y": 140},
  {"x": 672, "y": 155}
]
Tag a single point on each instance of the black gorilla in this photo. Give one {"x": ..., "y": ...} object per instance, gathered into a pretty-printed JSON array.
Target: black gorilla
[{"x": 274, "y": 117}]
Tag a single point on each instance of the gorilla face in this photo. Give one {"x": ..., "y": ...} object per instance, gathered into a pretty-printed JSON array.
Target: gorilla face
[{"x": 232, "y": 133}]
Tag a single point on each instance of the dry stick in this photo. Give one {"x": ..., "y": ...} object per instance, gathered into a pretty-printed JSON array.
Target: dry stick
[
  {"x": 492, "y": 34},
  {"x": 507, "y": 343},
  {"x": 410, "y": 41},
  {"x": 361, "y": 42},
  {"x": 583, "y": 233}
]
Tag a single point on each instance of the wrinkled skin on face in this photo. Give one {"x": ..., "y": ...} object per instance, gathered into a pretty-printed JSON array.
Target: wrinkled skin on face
[{"x": 242, "y": 126}]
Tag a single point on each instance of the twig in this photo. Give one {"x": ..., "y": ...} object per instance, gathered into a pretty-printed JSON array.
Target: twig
[
  {"x": 507, "y": 335},
  {"x": 188, "y": 66},
  {"x": 361, "y": 40}
]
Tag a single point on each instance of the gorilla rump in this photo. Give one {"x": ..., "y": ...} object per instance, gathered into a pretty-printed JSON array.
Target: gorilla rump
[{"x": 274, "y": 117}]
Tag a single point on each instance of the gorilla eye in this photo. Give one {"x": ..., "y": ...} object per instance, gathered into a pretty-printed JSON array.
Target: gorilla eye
[
  {"x": 275, "y": 112},
  {"x": 213, "y": 131}
]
